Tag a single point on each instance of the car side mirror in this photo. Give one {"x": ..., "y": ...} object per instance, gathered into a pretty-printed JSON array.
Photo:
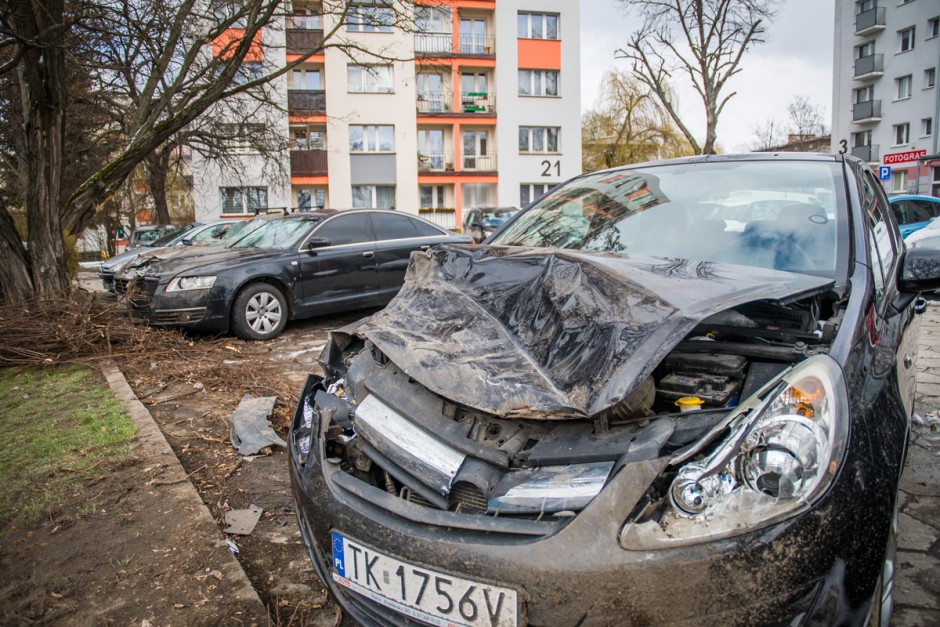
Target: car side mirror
[
  {"x": 317, "y": 242},
  {"x": 186, "y": 242},
  {"x": 919, "y": 272}
]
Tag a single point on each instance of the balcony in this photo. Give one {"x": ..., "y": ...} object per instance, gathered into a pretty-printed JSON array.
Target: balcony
[
  {"x": 434, "y": 44},
  {"x": 303, "y": 40},
  {"x": 444, "y": 162},
  {"x": 308, "y": 163},
  {"x": 478, "y": 102},
  {"x": 434, "y": 102},
  {"x": 870, "y": 21},
  {"x": 871, "y": 66},
  {"x": 479, "y": 163},
  {"x": 477, "y": 45},
  {"x": 866, "y": 153},
  {"x": 864, "y": 112},
  {"x": 306, "y": 102}
]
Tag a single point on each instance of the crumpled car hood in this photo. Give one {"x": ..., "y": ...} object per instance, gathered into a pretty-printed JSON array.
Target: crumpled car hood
[
  {"x": 537, "y": 333},
  {"x": 172, "y": 261}
]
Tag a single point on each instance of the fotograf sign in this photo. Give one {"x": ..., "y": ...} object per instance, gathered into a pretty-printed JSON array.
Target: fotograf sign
[{"x": 903, "y": 157}]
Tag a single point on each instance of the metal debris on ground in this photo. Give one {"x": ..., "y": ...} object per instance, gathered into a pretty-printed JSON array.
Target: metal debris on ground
[
  {"x": 241, "y": 522},
  {"x": 232, "y": 546},
  {"x": 251, "y": 429}
]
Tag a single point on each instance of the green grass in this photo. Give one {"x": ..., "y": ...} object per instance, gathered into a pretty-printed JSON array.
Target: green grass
[{"x": 59, "y": 427}]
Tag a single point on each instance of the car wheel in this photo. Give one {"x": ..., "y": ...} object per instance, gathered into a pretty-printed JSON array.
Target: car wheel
[
  {"x": 883, "y": 602},
  {"x": 259, "y": 312}
]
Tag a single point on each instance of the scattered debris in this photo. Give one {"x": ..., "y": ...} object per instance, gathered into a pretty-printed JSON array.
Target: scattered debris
[
  {"x": 251, "y": 429},
  {"x": 232, "y": 545},
  {"x": 241, "y": 522}
]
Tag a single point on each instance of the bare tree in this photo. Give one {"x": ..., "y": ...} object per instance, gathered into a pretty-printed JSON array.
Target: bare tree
[
  {"x": 806, "y": 117},
  {"x": 702, "y": 41},
  {"x": 628, "y": 125},
  {"x": 767, "y": 135},
  {"x": 182, "y": 57}
]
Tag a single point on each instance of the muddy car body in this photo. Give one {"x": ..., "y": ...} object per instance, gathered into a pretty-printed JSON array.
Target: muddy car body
[{"x": 505, "y": 443}]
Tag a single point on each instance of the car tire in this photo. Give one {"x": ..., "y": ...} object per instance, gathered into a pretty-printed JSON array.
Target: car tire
[
  {"x": 259, "y": 312},
  {"x": 883, "y": 602}
]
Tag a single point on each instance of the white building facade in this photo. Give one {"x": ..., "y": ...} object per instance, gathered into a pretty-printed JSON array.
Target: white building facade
[
  {"x": 478, "y": 106},
  {"x": 885, "y": 98}
]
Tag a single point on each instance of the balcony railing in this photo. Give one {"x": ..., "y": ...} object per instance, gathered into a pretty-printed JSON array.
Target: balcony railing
[
  {"x": 478, "y": 163},
  {"x": 306, "y": 101},
  {"x": 866, "y": 153},
  {"x": 477, "y": 45},
  {"x": 308, "y": 163},
  {"x": 434, "y": 102},
  {"x": 869, "y": 110},
  {"x": 435, "y": 161},
  {"x": 443, "y": 217},
  {"x": 870, "y": 21},
  {"x": 871, "y": 65},
  {"x": 303, "y": 40},
  {"x": 434, "y": 44},
  {"x": 478, "y": 102}
]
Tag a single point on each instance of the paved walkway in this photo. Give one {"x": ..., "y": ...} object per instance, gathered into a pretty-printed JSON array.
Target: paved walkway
[{"x": 917, "y": 591}]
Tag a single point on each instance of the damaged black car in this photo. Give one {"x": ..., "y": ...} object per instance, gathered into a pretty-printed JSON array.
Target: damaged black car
[{"x": 677, "y": 392}]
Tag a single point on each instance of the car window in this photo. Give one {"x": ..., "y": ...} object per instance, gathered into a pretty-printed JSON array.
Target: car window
[
  {"x": 781, "y": 215},
  {"x": 213, "y": 232},
  {"x": 171, "y": 236},
  {"x": 923, "y": 210},
  {"x": 277, "y": 234},
  {"x": 393, "y": 227},
  {"x": 348, "y": 229},
  {"x": 881, "y": 233},
  {"x": 425, "y": 229},
  {"x": 899, "y": 208}
]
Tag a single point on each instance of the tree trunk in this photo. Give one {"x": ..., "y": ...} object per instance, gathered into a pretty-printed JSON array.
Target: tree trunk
[
  {"x": 15, "y": 282},
  {"x": 157, "y": 165}
]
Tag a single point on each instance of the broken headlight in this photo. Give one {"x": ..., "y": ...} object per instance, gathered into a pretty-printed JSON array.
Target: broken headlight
[
  {"x": 549, "y": 489},
  {"x": 187, "y": 283},
  {"x": 782, "y": 448}
]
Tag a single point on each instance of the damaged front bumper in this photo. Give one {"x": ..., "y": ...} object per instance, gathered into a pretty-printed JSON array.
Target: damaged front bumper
[
  {"x": 196, "y": 310},
  {"x": 569, "y": 569}
]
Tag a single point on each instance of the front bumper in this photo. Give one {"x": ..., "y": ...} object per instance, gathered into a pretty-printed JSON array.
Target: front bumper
[
  {"x": 196, "y": 310},
  {"x": 576, "y": 573}
]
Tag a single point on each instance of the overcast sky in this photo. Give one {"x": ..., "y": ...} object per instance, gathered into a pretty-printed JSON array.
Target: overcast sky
[{"x": 796, "y": 59}]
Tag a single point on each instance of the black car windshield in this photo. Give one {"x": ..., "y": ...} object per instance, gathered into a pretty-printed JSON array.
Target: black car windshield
[
  {"x": 772, "y": 214},
  {"x": 277, "y": 233}
]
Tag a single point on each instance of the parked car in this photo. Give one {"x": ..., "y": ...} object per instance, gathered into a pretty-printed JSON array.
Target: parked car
[
  {"x": 480, "y": 223},
  {"x": 203, "y": 232},
  {"x": 293, "y": 267},
  {"x": 143, "y": 235},
  {"x": 621, "y": 411},
  {"x": 914, "y": 212}
]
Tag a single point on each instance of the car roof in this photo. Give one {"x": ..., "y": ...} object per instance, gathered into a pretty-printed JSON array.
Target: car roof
[{"x": 729, "y": 158}]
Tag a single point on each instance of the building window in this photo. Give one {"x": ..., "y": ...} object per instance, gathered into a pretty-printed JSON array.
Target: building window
[
  {"x": 538, "y": 139},
  {"x": 433, "y": 20},
  {"x": 930, "y": 78},
  {"x": 864, "y": 5},
  {"x": 865, "y": 50},
  {"x": 241, "y": 139},
  {"x": 861, "y": 139},
  {"x": 305, "y": 79},
  {"x": 432, "y": 196},
  {"x": 247, "y": 71},
  {"x": 361, "y": 19},
  {"x": 244, "y": 200},
  {"x": 308, "y": 199},
  {"x": 530, "y": 192},
  {"x": 906, "y": 39},
  {"x": 303, "y": 138},
  {"x": 478, "y": 195},
  {"x": 538, "y": 82},
  {"x": 899, "y": 181},
  {"x": 372, "y": 138},
  {"x": 904, "y": 87},
  {"x": 902, "y": 134},
  {"x": 865, "y": 94},
  {"x": 926, "y": 127},
  {"x": 933, "y": 27},
  {"x": 538, "y": 26},
  {"x": 306, "y": 19},
  {"x": 373, "y": 196},
  {"x": 369, "y": 79}
]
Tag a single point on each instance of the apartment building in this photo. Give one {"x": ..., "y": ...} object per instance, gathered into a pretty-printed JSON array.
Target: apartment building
[
  {"x": 885, "y": 100},
  {"x": 477, "y": 104}
]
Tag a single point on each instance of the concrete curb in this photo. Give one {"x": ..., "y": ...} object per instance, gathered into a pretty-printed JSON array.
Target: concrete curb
[{"x": 175, "y": 491}]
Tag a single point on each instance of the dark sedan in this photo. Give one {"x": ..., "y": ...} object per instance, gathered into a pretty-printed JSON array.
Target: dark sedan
[
  {"x": 294, "y": 267},
  {"x": 625, "y": 410}
]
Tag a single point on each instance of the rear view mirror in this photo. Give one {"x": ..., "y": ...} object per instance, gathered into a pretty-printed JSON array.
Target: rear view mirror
[
  {"x": 920, "y": 270},
  {"x": 186, "y": 242}
]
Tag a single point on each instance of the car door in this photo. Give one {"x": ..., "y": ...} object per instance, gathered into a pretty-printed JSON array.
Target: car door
[
  {"x": 340, "y": 275},
  {"x": 396, "y": 238}
]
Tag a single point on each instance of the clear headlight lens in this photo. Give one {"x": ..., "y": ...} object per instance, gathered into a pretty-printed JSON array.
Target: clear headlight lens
[
  {"x": 185, "y": 283},
  {"x": 783, "y": 447},
  {"x": 549, "y": 489}
]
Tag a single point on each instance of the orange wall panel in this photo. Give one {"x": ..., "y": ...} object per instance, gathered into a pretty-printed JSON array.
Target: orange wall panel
[
  {"x": 224, "y": 45},
  {"x": 540, "y": 54}
]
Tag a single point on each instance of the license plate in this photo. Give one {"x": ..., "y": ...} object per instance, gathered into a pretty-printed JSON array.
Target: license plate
[{"x": 427, "y": 595}]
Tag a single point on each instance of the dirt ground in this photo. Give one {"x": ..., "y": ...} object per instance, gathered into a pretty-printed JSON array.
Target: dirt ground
[{"x": 90, "y": 562}]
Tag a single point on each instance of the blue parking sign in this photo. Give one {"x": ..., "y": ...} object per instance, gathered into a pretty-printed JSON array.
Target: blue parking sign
[{"x": 884, "y": 172}]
